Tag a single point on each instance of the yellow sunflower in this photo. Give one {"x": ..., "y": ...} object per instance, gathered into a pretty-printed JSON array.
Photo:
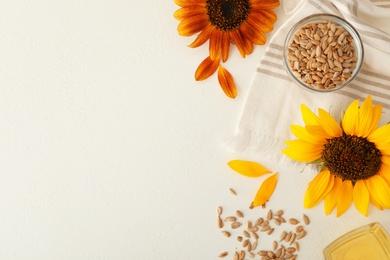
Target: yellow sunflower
[
  {"x": 243, "y": 22},
  {"x": 354, "y": 155}
]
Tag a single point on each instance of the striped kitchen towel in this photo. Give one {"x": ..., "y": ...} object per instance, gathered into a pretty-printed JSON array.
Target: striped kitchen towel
[{"x": 273, "y": 101}]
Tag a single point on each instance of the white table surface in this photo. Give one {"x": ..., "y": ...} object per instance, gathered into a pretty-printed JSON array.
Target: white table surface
[{"x": 111, "y": 150}]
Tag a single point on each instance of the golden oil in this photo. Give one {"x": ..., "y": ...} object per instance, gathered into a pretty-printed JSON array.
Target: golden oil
[{"x": 370, "y": 242}]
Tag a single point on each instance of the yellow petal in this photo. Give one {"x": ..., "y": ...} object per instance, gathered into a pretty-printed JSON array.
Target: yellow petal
[
  {"x": 318, "y": 188},
  {"x": 265, "y": 191},
  {"x": 330, "y": 199},
  {"x": 350, "y": 118},
  {"x": 308, "y": 116},
  {"x": 303, "y": 134},
  {"x": 303, "y": 151},
  {"x": 376, "y": 117},
  {"x": 317, "y": 130},
  {"x": 329, "y": 123},
  {"x": 206, "y": 68},
  {"x": 361, "y": 197},
  {"x": 379, "y": 190},
  {"x": 380, "y": 135},
  {"x": 344, "y": 197},
  {"x": 365, "y": 118},
  {"x": 247, "y": 168},
  {"x": 226, "y": 82}
]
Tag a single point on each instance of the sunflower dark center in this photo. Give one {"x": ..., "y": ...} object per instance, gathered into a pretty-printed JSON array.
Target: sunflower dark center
[
  {"x": 227, "y": 15},
  {"x": 351, "y": 157}
]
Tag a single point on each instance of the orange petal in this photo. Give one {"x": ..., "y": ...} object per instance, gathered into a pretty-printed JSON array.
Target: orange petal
[
  {"x": 252, "y": 33},
  {"x": 183, "y": 3},
  {"x": 188, "y": 11},
  {"x": 247, "y": 168},
  {"x": 259, "y": 21},
  {"x": 318, "y": 188},
  {"x": 235, "y": 36},
  {"x": 195, "y": 24},
  {"x": 215, "y": 44},
  {"x": 344, "y": 197},
  {"x": 265, "y": 191},
  {"x": 265, "y": 4},
  {"x": 206, "y": 68},
  {"x": 225, "y": 46},
  {"x": 202, "y": 37},
  {"x": 226, "y": 81}
]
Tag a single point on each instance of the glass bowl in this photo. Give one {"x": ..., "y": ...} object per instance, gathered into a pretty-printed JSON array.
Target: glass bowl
[
  {"x": 367, "y": 242},
  {"x": 323, "y": 53}
]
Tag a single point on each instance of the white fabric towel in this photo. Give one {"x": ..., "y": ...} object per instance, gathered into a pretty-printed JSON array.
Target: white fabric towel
[{"x": 273, "y": 102}]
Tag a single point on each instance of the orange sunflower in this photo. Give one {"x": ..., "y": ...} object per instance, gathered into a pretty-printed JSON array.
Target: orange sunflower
[
  {"x": 242, "y": 22},
  {"x": 354, "y": 155}
]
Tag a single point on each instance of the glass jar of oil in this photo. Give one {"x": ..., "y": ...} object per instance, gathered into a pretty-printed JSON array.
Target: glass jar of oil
[{"x": 370, "y": 242}]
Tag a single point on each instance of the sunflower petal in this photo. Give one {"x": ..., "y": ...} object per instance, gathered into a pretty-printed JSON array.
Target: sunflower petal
[
  {"x": 303, "y": 151},
  {"x": 308, "y": 116},
  {"x": 215, "y": 44},
  {"x": 380, "y": 135},
  {"x": 265, "y": 191},
  {"x": 202, "y": 37},
  {"x": 379, "y": 190},
  {"x": 331, "y": 198},
  {"x": 226, "y": 81},
  {"x": 247, "y": 168},
  {"x": 206, "y": 68},
  {"x": 235, "y": 37},
  {"x": 329, "y": 124},
  {"x": 189, "y": 27},
  {"x": 265, "y": 4},
  {"x": 302, "y": 133},
  {"x": 365, "y": 118},
  {"x": 188, "y": 11},
  {"x": 376, "y": 117},
  {"x": 318, "y": 189},
  {"x": 350, "y": 119},
  {"x": 249, "y": 29},
  {"x": 225, "y": 46},
  {"x": 361, "y": 197},
  {"x": 183, "y": 3},
  {"x": 344, "y": 197}
]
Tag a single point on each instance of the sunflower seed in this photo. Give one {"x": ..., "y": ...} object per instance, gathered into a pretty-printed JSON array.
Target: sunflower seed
[
  {"x": 274, "y": 245},
  {"x": 220, "y": 222},
  {"x": 306, "y": 219},
  {"x": 235, "y": 225},
  {"x": 239, "y": 238},
  {"x": 246, "y": 234},
  {"x": 279, "y": 213},
  {"x": 223, "y": 254},
  {"x": 239, "y": 214},
  {"x": 230, "y": 219},
  {"x": 226, "y": 233},
  {"x": 301, "y": 234},
  {"x": 232, "y": 191},
  {"x": 293, "y": 221},
  {"x": 269, "y": 215},
  {"x": 219, "y": 211}
]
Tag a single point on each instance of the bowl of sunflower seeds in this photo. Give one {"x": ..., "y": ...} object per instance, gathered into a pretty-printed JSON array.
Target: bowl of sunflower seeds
[{"x": 323, "y": 53}]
